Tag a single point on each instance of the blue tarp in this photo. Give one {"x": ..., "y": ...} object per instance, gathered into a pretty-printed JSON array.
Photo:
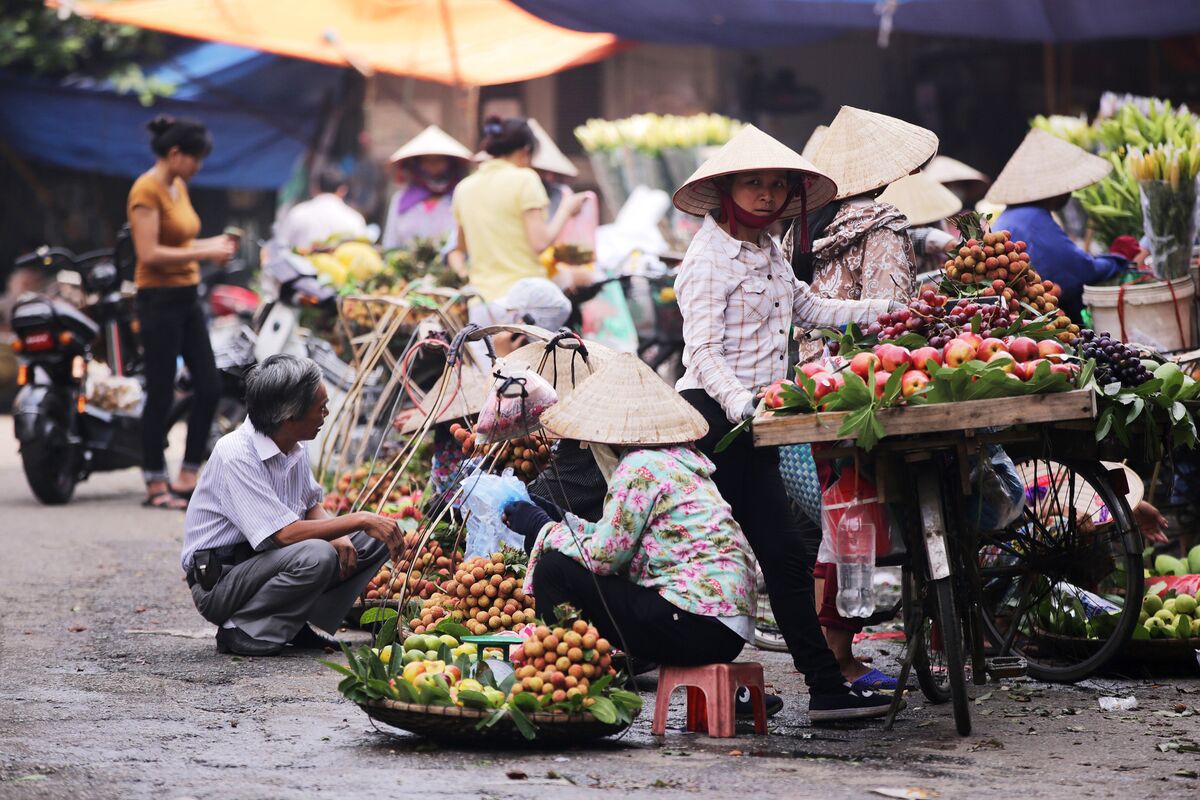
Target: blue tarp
[
  {"x": 262, "y": 110},
  {"x": 776, "y": 23}
]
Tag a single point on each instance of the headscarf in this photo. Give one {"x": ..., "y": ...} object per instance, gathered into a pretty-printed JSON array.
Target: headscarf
[{"x": 423, "y": 186}]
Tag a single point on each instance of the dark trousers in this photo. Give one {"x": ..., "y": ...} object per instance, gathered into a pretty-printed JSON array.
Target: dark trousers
[
  {"x": 172, "y": 324},
  {"x": 651, "y": 628},
  {"x": 783, "y": 541}
]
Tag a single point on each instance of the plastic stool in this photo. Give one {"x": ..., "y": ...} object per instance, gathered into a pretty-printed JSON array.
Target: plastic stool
[{"x": 711, "y": 686}]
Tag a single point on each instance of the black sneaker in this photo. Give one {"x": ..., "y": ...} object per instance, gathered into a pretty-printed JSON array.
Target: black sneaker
[
  {"x": 310, "y": 638},
  {"x": 745, "y": 708},
  {"x": 848, "y": 705}
]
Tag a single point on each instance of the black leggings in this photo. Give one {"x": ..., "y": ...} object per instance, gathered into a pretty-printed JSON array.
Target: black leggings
[
  {"x": 653, "y": 629},
  {"x": 783, "y": 541},
  {"x": 172, "y": 324}
]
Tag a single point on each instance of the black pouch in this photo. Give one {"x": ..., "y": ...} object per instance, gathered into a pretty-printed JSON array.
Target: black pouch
[{"x": 206, "y": 569}]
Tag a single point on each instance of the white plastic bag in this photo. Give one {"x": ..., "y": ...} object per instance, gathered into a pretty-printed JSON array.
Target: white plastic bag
[
  {"x": 514, "y": 405},
  {"x": 485, "y": 498}
]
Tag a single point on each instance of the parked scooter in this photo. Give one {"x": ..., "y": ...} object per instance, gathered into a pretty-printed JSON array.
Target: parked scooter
[{"x": 63, "y": 437}]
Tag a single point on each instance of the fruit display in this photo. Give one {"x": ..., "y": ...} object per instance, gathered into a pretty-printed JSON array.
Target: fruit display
[
  {"x": 528, "y": 456},
  {"x": 436, "y": 670},
  {"x": 1172, "y": 617},
  {"x": 365, "y": 488},
  {"x": 421, "y": 259},
  {"x": 1116, "y": 362},
  {"x": 999, "y": 267},
  {"x": 1165, "y": 565},
  {"x": 424, "y": 569},
  {"x": 346, "y": 262},
  {"x": 485, "y": 595}
]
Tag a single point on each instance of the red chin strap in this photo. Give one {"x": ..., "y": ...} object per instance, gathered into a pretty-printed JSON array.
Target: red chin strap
[{"x": 734, "y": 214}]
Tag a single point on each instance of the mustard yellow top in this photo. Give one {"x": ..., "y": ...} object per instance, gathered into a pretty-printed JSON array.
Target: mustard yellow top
[
  {"x": 489, "y": 207},
  {"x": 178, "y": 225}
]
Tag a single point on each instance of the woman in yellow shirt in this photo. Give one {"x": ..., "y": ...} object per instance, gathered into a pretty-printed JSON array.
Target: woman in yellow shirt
[
  {"x": 171, "y": 321},
  {"x": 501, "y": 213}
]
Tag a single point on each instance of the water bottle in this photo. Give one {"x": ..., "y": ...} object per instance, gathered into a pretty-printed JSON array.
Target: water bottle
[{"x": 854, "y": 544}]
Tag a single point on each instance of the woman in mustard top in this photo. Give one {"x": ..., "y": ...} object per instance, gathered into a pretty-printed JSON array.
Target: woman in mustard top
[
  {"x": 501, "y": 215},
  {"x": 171, "y": 321}
]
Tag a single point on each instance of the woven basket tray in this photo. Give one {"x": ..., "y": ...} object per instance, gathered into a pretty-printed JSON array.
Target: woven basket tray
[{"x": 454, "y": 724}]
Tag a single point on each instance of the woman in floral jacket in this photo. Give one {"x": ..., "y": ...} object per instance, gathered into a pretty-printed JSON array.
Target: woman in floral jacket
[{"x": 666, "y": 572}]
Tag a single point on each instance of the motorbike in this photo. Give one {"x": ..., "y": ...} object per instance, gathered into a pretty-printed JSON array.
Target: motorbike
[{"x": 63, "y": 437}]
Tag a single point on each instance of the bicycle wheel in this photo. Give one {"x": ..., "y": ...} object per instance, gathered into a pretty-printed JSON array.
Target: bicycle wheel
[
  {"x": 929, "y": 660},
  {"x": 951, "y": 634},
  {"x": 1055, "y": 583}
]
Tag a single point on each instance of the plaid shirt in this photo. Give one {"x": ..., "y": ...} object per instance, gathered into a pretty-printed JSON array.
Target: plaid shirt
[{"x": 738, "y": 301}]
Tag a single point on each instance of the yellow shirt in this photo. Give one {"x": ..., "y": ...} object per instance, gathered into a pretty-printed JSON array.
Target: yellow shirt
[
  {"x": 178, "y": 225},
  {"x": 489, "y": 207}
]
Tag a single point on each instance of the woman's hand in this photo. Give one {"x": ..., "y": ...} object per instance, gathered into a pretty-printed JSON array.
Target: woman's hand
[
  {"x": 218, "y": 248},
  {"x": 574, "y": 203}
]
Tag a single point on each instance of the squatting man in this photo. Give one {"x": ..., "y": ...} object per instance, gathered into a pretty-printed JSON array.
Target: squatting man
[{"x": 265, "y": 562}]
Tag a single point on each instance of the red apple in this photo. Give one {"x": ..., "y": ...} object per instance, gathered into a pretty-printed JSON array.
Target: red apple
[
  {"x": 1051, "y": 349},
  {"x": 881, "y": 379},
  {"x": 914, "y": 380},
  {"x": 839, "y": 380},
  {"x": 972, "y": 339},
  {"x": 923, "y": 355},
  {"x": 1030, "y": 367},
  {"x": 824, "y": 384},
  {"x": 1065, "y": 369},
  {"x": 988, "y": 348},
  {"x": 1023, "y": 348},
  {"x": 862, "y": 363},
  {"x": 1006, "y": 362},
  {"x": 773, "y": 396},
  {"x": 893, "y": 357},
  {"x": 811, "y": 368},
  {"x": 957, "y": 353}
]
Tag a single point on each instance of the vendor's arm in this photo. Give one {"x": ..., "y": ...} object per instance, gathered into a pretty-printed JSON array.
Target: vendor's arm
[
  {"x": 810, "y": 310},
  {"x": 1055, "y": 246},
  {"x": 928, "y": 241},
  {"x": 889, "y": 267},
  {"x": 457, "y": 257},
  {"x": 542, "y": 233},
  {"x": 606, "y": 547},
  {"x": 703, "y": 290}
]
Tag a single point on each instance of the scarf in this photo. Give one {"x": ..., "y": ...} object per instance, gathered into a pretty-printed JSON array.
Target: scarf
[{"x": 422, "y": 187}]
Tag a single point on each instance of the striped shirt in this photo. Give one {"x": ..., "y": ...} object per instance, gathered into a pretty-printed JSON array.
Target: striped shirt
[
  {"x": 738, "y": 301},
  {"x": 248, "y": 491}
]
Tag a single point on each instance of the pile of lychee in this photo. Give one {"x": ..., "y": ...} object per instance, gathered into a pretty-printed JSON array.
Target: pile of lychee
[
  {"x": 562, "y": 661},
  {"x": 422, "y": 568},
  {"x": 484, "y": 595},
  {"x": 527, "y": 455}
]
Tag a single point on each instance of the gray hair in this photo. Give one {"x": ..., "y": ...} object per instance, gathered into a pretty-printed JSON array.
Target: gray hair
[{"x": 279, "y": 389}]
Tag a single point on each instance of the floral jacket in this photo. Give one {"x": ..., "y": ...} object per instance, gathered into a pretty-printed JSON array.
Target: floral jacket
[{"x": 665, "y": 527}]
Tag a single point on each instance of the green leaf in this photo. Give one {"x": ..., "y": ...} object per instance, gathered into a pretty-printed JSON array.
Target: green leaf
[
  {"x": 734, "y": 432},
  {"x": 338, "y": 668},
  {"x": 377, "y": 614},
  {"x": 455, "y": 629},
  {"x": 600, "y": 685},
  {"x": 406, "y": 692},
  {"x": 473, "y": 699},
  {"x": 911, "y": 340},
  {"x": 855, "y": 391},
  {"x": 1178, "y": 412},
  {"x": 1135, "y": 410},
  {"x": 387, "y": 633},
  {"x": 525, "y": 701},
  {"x": 347, "y": 685},
  {"x": 626, "y": 699},
  {"x": 381, "y": 688},
  {"x": 522, "y": 722},
  {"x": 891, "y": 389},
  {"x": 1104, "y": 424},
  {"x": 604, "y": 710}
]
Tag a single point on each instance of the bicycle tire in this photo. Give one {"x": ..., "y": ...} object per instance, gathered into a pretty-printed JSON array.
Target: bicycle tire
[
  {"x": 933, "y": 685},
  {"x": 950, "y": 627},
  {"x": 1042, "y": 561}
]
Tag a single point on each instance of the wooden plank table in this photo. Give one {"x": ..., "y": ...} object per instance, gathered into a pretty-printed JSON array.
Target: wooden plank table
[{"x": 771, "y": 429}]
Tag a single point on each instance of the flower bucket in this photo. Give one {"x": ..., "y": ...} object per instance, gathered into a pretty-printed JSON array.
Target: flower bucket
[
  {"x": 1169, "y": 220},
  {"x": 1157, "y": 314}
]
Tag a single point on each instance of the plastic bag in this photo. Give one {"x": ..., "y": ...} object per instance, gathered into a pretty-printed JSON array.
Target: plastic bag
[
  {"x": 514, "y": 405},
  {"x": 999, "y": 497},
  {"x": 485, "y": 498}
]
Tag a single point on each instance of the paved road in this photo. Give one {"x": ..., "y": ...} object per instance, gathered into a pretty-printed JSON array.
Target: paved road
[{"x": 110, "y": 687}]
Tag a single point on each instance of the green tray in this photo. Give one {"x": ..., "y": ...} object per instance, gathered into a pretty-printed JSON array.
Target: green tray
[{"x": 492, "y": 640}]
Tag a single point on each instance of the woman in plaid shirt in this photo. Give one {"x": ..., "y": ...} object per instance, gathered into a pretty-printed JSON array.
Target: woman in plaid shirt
[{"x": 739, "y": 299}]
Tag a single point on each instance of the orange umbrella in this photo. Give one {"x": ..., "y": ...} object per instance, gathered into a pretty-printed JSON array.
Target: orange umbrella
[{"x": 460, "y": 42}]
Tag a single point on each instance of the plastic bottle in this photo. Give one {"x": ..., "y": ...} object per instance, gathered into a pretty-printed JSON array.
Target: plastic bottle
[{"x": 854, "y": 545}]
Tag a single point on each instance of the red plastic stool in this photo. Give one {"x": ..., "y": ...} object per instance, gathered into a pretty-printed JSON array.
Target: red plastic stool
[{"x": 711, "y": 686}]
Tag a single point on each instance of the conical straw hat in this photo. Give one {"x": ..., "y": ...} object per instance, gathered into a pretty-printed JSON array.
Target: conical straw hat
[
  {"x": 751, "y": 149},
  {"x": 433, "y": 141},
  {"x": 1045, "y": 166},
  {"x": 563, "y": 365},
  {"x": 466, "y": 402},
  {"x": 625, "y": 403},
  {"x": 945, "y": 169},
  {"x": 547, "y": 157},
  {"x": 863, "y": 151},
  {"x": 814, "y": 141},
  {"x": 921, "y": 199}
]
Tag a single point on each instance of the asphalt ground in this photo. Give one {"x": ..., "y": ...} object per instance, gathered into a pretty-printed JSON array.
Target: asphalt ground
[{"x": 111, "y": 687}]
